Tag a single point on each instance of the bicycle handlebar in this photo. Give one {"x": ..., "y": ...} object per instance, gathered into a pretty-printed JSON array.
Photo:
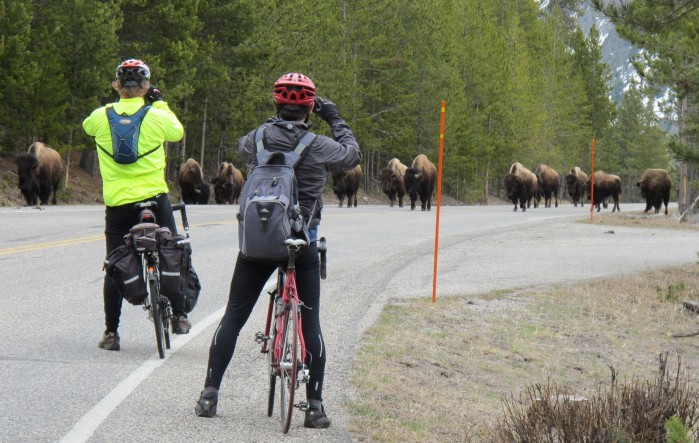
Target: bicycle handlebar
[{"x": 183, "y": 211}]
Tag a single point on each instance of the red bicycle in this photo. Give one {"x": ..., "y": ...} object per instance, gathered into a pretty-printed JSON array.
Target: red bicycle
[{"x": 282, "y": 339}]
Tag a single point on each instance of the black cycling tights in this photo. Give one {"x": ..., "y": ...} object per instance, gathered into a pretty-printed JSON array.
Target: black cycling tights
[{"x": 249, "y": 278}]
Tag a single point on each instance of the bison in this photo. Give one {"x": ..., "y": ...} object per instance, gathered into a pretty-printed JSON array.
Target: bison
[
  {"x": 227, "y": 184},
  {"x": 420, "y": 180},
  {"x": 548, "y": 182},
  {"x": 576, "y": 181},
  {"x": 521, "y": 185},
  {"x": 606, "y": 185},
  {"x": 39, "y": 171},
  {"x": 346, "y": 184},
  {"x": 393, "y": 181},
  {"x": 655, "y": 187},
  {"x": 191, "y": 181}
]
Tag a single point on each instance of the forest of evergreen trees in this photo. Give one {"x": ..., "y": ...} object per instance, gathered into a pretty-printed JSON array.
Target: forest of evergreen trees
[{"x": 521, "y": 82}]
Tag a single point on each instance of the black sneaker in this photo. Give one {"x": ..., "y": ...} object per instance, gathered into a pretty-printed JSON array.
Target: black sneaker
[
  {"x": 206, "y": 405},
  {"x": 110, "y": 341},
  {"x": 316, "y": 418},
  {"x": 180, "y": 325}
]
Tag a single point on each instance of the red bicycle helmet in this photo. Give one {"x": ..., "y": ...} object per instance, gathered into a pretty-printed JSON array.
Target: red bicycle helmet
[
  {"x": 294, "y": 89},
  {"x": 132, "y": 72}
]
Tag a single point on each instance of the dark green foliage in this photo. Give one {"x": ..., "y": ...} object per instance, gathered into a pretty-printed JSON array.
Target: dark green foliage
[{"x": 520, "y": 83}]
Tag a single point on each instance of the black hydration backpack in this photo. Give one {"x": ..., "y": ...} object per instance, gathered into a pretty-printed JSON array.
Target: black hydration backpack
[
  {"x": 125, "y": 132},
  {"x": 269, "y": 202}
]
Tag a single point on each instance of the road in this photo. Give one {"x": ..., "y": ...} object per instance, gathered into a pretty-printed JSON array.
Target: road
[{"x": 56, "y": 385}]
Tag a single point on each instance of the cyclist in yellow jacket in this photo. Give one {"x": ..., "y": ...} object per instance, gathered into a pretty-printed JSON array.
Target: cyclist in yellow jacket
[{"x": 136, "y": 177}]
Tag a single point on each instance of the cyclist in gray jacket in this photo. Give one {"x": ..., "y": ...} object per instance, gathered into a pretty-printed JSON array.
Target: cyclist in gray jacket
[{"x": 294, "y": 98}]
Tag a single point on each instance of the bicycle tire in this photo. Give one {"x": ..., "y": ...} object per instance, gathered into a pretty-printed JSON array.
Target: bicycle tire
[
  {"x": 155, "y": 312},
  {"x": 272, "y": 371},
  {"x": 289, "y": 365},
  {"x": 272, "y": 364}
]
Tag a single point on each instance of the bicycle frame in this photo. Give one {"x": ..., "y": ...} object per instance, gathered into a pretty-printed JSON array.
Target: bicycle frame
[{"x": 285, "y": 360}]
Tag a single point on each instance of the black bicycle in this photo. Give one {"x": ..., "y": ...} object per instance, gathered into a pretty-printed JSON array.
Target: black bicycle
[{"x": 145, "y": 241}]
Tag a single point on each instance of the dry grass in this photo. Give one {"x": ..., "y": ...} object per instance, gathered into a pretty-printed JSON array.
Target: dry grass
[
  {"x": 639, "y": 219},
  {"x": 440, "y": 372}
]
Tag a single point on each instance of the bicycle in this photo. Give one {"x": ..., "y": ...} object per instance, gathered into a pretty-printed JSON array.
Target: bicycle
[
  {"x": 286, "y": 360},
  {"x": 156, "y": 304}
]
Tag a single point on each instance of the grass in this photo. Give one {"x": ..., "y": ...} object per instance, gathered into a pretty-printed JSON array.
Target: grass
[{"x": 442, "y": 372}]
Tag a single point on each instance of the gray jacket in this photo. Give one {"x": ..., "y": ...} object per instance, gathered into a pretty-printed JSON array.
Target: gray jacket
[{"x": 340, "y": 152}]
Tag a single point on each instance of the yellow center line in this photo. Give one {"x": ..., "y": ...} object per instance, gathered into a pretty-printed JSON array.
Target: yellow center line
[
  {"x": 51, "y": 244},
  {"x": 74, "y": 241}
]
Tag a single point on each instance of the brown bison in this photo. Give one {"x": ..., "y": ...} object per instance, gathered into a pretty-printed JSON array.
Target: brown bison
[
  {"x": 606, "y": 185},
  {"x": 227, "y": 184},
  {"x": 191, "y": 181},
  {"x": 655, "y": 187},
  {"x": 346, "y": 184},
  {"x": 521, "y": 185},
  {"x": 420, "y": 180},
  {"x": 39, "y": 171},
  {"x": 548, "y": 182},
  {"x": 576, "y": 181},
  {"x": 393, "y": 181}
]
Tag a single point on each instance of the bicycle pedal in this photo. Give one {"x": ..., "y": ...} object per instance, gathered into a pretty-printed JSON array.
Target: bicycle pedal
[{"x": 259, "y": 337}]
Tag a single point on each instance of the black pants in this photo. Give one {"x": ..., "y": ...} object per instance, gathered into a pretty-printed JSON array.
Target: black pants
[
  {"x": 249, "y": 278},
  {"x": 118, "y": 222}
]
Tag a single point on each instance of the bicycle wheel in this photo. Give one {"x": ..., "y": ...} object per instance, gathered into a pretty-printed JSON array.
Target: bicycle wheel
[
  {"x": 272, "y": 364},
  {"x": 289, "y": 364},
  {"x": 273, "y": 373},
  {"x": 155, "y": 312}
]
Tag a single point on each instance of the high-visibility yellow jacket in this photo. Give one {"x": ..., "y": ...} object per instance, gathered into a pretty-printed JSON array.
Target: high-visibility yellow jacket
[{"x": 129, "y": 183}]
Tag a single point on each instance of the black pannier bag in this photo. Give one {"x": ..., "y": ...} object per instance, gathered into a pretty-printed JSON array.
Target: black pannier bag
[
  {"x": 123, "y": 265},
  {"x": 191, "y": 292},
  {"x": 143, "y": 237},
  {"x": 174, "y": 253}
]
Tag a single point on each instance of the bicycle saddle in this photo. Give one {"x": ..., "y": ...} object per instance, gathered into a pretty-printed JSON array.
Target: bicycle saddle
[{"x": 295, "y": 243}]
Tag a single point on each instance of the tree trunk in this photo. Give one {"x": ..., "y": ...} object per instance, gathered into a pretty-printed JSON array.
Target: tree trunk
[
  {"x": 688, "y": 172},
  {"x": 203, "y": 134},
  {"x": 183, "y": 144}
]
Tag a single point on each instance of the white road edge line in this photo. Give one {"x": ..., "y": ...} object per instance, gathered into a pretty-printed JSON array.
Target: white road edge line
[{"x": 89, "y": 422}]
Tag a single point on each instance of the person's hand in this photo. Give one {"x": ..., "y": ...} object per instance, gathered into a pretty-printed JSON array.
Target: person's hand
[
  {"x": 153, "y": 94},
  {"x": 326, "y": 110}
]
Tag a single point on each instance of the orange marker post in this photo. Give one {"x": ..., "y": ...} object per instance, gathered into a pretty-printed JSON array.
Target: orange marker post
[
  {"x": 592, "y": 182},
  {"x": 439, "y": 200}
]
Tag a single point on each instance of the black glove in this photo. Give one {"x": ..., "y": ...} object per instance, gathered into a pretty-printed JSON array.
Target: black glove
[
  {"x": 153, "y": 94},
  {"x": 326, "y": 110}
]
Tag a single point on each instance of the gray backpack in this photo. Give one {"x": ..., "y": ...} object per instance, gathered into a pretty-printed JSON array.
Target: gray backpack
[{"x": 269, "y": 202}]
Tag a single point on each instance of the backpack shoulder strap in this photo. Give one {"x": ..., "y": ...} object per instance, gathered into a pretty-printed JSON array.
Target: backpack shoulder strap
[
  {"x": 260, "y": 138},
  {"x": 301, "y": 146}
]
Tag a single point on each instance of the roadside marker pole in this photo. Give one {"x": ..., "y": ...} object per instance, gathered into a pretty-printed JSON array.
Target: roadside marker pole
[
  {"x": 592, "y": 182},
  {"x": 439, "y": 200}
]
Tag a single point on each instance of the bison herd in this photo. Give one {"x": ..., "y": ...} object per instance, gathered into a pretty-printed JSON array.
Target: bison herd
[
  {"x": 418, "y": 181},
  {"x": 524, "y": 188},
  {"x": 39, "y": 172}
]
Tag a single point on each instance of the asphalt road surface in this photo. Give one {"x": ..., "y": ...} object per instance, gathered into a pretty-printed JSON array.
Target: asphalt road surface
[{"x": 56, "y": 385}]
